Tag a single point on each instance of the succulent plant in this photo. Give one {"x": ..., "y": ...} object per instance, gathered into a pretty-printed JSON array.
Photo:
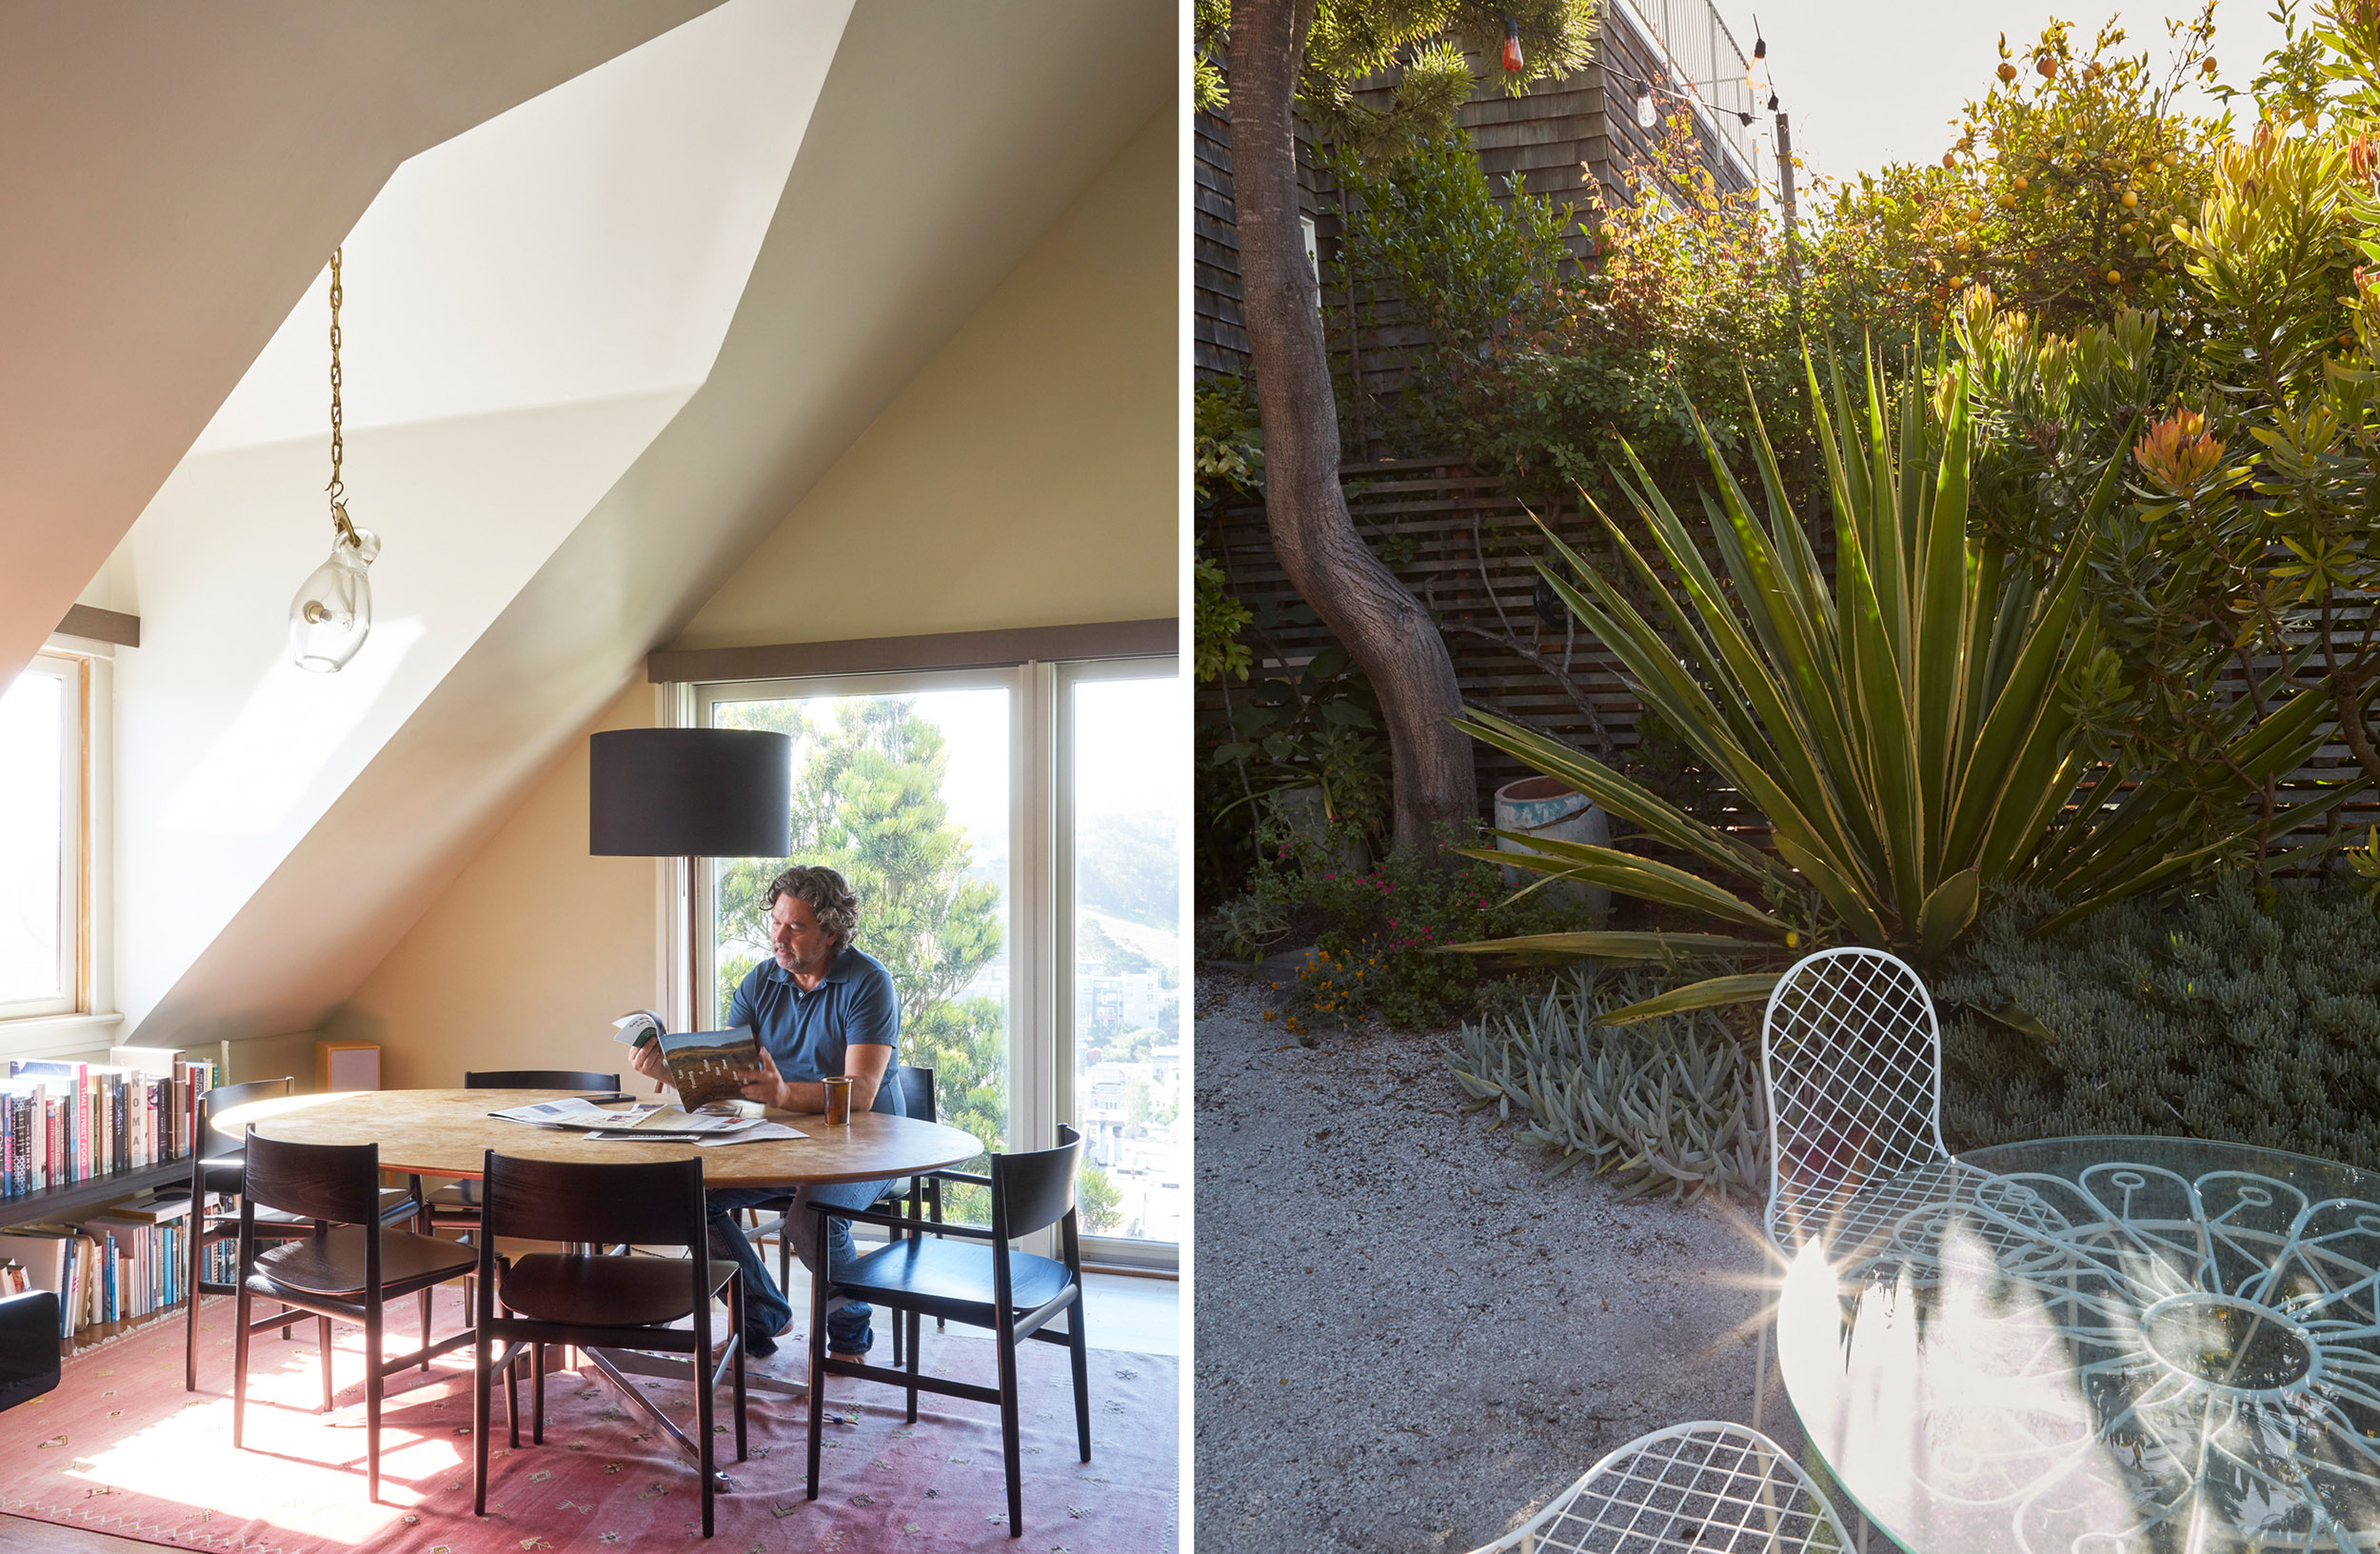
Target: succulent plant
[{"x": 1669, "y": 1102}]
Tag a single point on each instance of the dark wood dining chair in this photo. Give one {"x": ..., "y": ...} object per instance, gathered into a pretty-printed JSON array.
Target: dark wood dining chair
[
  {"x": 216, "y": 1169},
  {"x": 1016, "y": 1294},
  {"x": 455, "y": 1205},
  {"x": 603, "y": 1301},
  {"x": 922, "y": 1191},
  {"x": 349, "y": 1267}
]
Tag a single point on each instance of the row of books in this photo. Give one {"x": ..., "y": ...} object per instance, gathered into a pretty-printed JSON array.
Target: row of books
[
  {"x": 62, "y": 1123},
  {"x": 121, "y": 1261}
]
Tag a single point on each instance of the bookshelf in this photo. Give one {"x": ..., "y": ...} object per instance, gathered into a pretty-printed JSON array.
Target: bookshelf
[{"x": 81, "y": 1197}]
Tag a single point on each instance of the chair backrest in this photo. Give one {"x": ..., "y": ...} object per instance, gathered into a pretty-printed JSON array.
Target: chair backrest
[
  {"x": 1709, "y": 1485},
  {"x": 917, "y": 1092},
  {"x": 1035, "y": 1188},
  {"x": 647, "y": 1203},
  {"x": 539, "y": 1079},
  {"x": 223, "y": 1098},
  {"x": 336, "y": 1182},
  {"x": 1852, "y": 1058}
]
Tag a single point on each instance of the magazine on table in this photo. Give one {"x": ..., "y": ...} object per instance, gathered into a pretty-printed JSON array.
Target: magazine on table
[
  {"x": 702, "y": 1064},
  {"x": 645, "y": 1118},
  {"x": 577, "y": 1112}
]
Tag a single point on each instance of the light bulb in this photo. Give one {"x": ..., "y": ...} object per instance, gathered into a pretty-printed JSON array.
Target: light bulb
[
  {"x": 332, "y": 611},
  {"x": 1512, "y": 44},
  {"x": 1645, "y": 116}
]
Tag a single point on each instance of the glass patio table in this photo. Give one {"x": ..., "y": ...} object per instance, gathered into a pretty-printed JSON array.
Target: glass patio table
[{"x": 2098, "y": 1345}]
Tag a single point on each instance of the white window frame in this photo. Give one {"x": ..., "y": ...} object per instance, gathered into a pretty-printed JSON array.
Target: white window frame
[
  {"x": 1040, "y": 881},
  {"x": 84, "y": 1017},
  {"x": 1115, "y": 1251}
]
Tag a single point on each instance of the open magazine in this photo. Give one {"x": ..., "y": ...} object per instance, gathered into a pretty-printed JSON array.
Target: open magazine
[
  {"x": 702, "y": 1064},
  {"x": 644, "y": 1120}
]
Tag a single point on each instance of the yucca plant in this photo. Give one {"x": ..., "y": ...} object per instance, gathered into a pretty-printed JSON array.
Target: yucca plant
[{"x": 1908, "y": 733}]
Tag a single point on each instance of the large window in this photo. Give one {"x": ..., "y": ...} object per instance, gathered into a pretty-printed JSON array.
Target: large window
[
  {"x": 42, "y": 847},
  {"x": 1124, "y": 749},
  {"x": 902, "y": 786},
  {"x": 1013, "y": 836}
]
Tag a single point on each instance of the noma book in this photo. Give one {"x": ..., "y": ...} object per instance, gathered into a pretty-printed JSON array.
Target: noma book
[{"x": 702, "y": 1064}]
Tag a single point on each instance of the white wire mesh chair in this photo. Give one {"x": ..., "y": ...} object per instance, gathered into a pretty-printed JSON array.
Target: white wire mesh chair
[
  {"x": 1851, "y": 1063},
  {"x": 1708, "y": 1488},
  {"x": 1851, "y": 1057}
]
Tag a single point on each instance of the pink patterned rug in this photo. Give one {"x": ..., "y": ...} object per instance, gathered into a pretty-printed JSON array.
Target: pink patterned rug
[{"x": 121, "y": 1448}]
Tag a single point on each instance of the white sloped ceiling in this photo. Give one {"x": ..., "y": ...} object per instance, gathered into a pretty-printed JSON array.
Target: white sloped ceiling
[
  {"x": 170, "y": 177},
  {"x": 564, "y": 459}
]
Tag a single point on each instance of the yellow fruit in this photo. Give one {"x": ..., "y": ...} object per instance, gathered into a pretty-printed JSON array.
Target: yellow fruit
[
  {"x": 2008, "y": 72},
  {"x": 2127, "y": 229},
  {"x": 2132, "y": 199},
  {"x": 2115, "y": 277},
  {"x": 2021, "y": 183}
]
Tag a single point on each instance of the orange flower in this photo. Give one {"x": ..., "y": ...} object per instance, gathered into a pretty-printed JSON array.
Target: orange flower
[{"x": 2177, "y": 452}]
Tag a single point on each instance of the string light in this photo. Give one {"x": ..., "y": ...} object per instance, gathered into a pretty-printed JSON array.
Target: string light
[{"x": 1512, "y": 46}]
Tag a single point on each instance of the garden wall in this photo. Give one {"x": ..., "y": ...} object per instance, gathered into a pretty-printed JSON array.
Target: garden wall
[{"x": 1469, "y": 551}]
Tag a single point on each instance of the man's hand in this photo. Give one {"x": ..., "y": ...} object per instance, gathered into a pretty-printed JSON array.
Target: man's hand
[
  {"x": 765, "y": 1084},
  {"x": 646, "y": 1058}
]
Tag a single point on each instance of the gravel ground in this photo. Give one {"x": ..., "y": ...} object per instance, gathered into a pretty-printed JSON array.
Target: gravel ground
[{"x": 1404, "y": 1343}]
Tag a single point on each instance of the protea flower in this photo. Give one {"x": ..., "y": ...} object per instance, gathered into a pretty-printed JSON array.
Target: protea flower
[{"x": 2177, "y": 452}]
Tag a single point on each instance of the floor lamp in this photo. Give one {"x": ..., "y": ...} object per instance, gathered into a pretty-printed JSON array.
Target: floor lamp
[{"x": 690, "y": 793}]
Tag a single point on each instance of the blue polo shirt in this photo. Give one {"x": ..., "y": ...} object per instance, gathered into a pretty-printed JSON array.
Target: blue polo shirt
[{"x": 806, "y": 1032}]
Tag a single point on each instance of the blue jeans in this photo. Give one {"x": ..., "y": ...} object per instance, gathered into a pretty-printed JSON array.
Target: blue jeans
[{"x": 765, "y": 1308}]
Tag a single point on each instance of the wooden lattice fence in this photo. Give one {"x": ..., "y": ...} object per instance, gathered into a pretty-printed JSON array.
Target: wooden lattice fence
[{"x": 1469, "y": 551}]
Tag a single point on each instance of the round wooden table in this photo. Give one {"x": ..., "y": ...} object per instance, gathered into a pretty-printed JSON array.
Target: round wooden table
[{"x": 447, "y": 1132}]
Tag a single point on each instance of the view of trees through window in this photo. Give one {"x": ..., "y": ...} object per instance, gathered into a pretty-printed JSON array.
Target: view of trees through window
[
  {"x": 909, "y": 794},
  {"x": 906, "y": 796}
]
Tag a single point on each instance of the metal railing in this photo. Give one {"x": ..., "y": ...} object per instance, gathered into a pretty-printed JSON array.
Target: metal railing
[{"x": 1706, "y": 64}]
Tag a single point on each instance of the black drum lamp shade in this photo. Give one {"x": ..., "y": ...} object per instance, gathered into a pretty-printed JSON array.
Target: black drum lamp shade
[{"x": 690, "y": 793}]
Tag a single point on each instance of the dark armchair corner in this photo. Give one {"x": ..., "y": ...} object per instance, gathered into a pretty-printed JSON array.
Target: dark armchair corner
[{"x": 29, "y": 1347}]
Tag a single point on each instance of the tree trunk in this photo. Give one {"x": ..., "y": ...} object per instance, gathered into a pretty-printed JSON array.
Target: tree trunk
[{"x": 1371, "y": 614}]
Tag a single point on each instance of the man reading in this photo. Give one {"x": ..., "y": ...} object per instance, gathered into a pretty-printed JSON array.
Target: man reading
[{"x": 821, "y": 1006}]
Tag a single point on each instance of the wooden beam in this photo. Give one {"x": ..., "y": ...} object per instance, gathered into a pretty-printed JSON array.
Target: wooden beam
[
  {"x": 947, "y": 650},
  {"x": 101, "y": 626}
]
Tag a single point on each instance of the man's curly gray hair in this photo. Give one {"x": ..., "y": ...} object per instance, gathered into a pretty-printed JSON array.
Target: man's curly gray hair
[{"x": 829, "y": 896}]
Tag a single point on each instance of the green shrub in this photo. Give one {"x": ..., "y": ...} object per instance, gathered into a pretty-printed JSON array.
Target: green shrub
[
  {"x": 2210, "y": 1016},
  {"x": 1667, "y": 1103},
  {"x": 1377, "y": 928}
]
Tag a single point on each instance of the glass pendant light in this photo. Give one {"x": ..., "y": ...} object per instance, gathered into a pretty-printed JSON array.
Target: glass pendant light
[{"x": 332, "y": 613}]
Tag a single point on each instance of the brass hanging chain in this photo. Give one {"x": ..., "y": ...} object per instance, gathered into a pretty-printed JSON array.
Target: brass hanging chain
[{"x": 337, "y": 487}]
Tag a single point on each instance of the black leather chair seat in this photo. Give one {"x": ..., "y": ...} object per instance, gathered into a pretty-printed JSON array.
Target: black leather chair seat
[
  {"x": 333, "y": 1264},
  {"x": 948, "y": 1278},
  {"x": 29, "y": 1347},
  {"x": 606, "y": 1291}
]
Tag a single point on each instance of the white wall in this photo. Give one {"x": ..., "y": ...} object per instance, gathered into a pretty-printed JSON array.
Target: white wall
[
  {"x": 531, "y": 303},
  {"x": 1025, "y": 475}
]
